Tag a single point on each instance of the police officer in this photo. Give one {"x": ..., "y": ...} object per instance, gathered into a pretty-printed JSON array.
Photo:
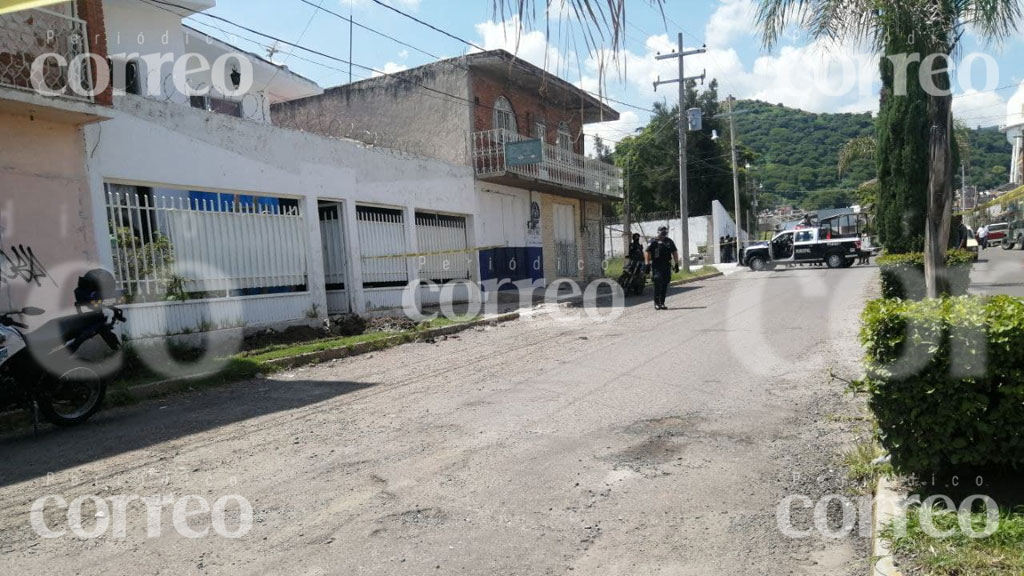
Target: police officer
[{"x": 660, "y": 255}]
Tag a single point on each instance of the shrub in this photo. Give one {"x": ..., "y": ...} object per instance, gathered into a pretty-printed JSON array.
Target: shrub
[
  {"x": 903, "y": 274},
  {"x": 946, "y": 381}
]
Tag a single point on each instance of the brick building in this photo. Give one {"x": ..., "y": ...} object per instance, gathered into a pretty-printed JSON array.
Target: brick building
[{"x": 539, "y": 199}]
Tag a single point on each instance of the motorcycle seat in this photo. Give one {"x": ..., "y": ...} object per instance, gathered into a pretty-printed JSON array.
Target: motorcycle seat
[{"x": 57, "y": 331}]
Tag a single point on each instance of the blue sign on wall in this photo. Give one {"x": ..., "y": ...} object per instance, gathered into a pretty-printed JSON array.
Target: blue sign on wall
[{"x": 524, "y": 153}]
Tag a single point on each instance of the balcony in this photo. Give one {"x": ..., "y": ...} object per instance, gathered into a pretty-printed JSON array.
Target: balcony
[
  {"x": 557, "y": 171},
  {"x": 26, "y": 35}
]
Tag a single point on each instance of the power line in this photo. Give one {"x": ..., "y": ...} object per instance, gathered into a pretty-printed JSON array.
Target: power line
[
  {"x": 318, "y": 53},
  {"x": 428, "y": 25},
  {"x": 369, "y": 29},
  {"x": 482, "y": 49}
]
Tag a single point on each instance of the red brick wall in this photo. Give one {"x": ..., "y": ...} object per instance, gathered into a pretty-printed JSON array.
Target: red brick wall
[
  {"x": 92, "y": 12},
  {"x": 529, "y": 107}
]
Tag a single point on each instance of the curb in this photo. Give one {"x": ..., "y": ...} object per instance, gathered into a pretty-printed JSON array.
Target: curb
[
  {"x": 888, "y": 505},
  {"x": 154, "y": 389},
  {"x": 389, "y": 342}
]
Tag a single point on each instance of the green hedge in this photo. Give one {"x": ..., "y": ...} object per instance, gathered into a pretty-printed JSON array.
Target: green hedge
[
  {"x": 903, "y": 274},
  {"x": 946, "y": 381}
]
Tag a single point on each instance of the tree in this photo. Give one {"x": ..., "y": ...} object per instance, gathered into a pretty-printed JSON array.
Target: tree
[
  {"x": 936, "y": 28},
  {"x": 650, "y": 159}
]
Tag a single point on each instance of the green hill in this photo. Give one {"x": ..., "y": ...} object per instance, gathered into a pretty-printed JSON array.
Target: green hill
[{"x": 797, "y": 153}]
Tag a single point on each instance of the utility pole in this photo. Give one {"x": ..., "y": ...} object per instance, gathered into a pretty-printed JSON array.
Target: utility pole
[
  {"x": 735, "y": 172},
  {"x": 684, "y": 216},
  {"x": 627, "y": 223},
  {"x": 963, "y": 186},
  {"x": 350, "y": 42}
]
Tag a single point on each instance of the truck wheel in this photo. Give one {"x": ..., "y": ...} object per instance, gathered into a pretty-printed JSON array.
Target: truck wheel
[
  {"x": 758, "y": 263},
  {"x": 1006, "y": 244},
  {"x": 835, "y": 260},
  {"x": 1020, "y": 242}
]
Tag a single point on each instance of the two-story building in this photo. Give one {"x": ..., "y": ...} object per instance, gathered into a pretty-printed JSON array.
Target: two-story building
[
  {"x": 46, "y": 236},
  {"x": 539, "y": 200},
  {"x": 208, "y": 215}
]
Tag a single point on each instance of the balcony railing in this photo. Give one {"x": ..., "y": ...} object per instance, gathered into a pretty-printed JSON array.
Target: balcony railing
[
  {"x": 26, "y": 35},
  {"x": 558, "y": 167}
]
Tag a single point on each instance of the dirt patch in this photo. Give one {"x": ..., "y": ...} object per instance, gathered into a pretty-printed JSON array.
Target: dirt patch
[
  {"x": 418, "y": 517},
  {"x": 668, "y": 427},
  {"x": 651, "y": 452},
  {"x": 292, "y": 335}
]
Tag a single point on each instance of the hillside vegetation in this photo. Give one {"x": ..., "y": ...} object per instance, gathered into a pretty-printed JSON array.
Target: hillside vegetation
[{"x": 797, "y": 154}]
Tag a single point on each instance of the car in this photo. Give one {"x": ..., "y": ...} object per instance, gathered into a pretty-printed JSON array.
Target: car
[
  {"x": 972, "y": 244},
  {"x": 802, "y": 246},
  {"x": 997, "y": 233},
  {"x": 1014, "y": 235}
]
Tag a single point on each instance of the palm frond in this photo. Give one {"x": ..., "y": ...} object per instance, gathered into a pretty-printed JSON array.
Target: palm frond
[{"x": 857, "y": 149}]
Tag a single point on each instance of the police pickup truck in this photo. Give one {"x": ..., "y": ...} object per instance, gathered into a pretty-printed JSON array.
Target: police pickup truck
[{"x": 802, "y": 246}]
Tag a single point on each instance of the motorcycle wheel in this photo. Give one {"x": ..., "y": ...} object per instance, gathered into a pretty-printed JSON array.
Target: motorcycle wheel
[{"x": 73, "y": 397}]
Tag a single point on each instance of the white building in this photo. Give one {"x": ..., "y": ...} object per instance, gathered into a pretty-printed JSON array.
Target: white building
[
  {"x": 1015, "y": 134},
  {"x": 201, "y": 199}
]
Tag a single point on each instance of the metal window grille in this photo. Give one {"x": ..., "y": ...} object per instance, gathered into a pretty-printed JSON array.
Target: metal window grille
[
  {"x": 26, "y": 35},
  {"x": 332, "y": 238},
  {"x": 382, "y": 246},
  {"x": 441, "y": 241},
  {"x": 170, "y": 242}
]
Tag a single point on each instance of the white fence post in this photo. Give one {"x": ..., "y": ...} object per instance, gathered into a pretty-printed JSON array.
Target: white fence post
[
  {"x": 412, "y": 247},
  {"x": 316, "y": 282},
  {"x": 354, "y": 270}
]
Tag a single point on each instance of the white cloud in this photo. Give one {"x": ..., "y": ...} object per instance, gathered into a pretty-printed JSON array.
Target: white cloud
[
  {"x": 531, "y": 46},
  {"x": 732, "y": 20},
  {"x": 626, "y": 125},
  {"x": 390, "y": 68},
  {"x": 979, "y": 108},
  {"x": 812, "y": 77}
]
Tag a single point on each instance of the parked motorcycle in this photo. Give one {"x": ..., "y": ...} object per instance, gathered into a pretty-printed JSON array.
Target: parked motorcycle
[
  {"x": 42, "y": 369},
  {"x": 634, "y": 278}
]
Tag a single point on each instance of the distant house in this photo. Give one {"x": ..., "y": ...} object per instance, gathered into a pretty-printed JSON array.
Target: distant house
[{"x": 520, "y": 129}]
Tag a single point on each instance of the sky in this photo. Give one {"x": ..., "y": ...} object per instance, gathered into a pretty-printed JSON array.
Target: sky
[{"x": 813, "y": 76}]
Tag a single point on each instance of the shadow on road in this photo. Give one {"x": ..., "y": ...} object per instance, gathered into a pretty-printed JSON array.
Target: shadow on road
[{"x": 120, "y": 430}]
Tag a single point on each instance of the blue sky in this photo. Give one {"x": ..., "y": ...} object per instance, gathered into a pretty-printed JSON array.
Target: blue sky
[{"x": 797, "y": 73}]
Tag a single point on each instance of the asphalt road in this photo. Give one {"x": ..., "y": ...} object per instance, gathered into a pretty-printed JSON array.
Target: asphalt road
[
  {"x": 659, "y": 443},
  {"x": 999, "y": 271}
]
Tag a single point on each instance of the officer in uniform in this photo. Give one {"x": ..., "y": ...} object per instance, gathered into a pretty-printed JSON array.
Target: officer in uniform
[{"x": 660, "y": 255}]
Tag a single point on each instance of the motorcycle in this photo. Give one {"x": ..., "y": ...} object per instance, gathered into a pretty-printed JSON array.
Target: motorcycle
[
  {"x": 633, "y": 278},
  {"x": 42, "y": 369}
]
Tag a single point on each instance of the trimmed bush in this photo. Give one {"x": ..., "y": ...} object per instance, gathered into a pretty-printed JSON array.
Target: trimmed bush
[
  {"x": 903, "y": 274},
  {"x": 946, "y": 381}
]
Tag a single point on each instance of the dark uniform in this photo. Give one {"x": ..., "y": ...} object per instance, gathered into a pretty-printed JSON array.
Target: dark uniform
[{"x": 661, "y": 250}]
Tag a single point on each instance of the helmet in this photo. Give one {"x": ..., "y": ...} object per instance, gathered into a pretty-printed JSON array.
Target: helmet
[{"x": 96, "y": 286}]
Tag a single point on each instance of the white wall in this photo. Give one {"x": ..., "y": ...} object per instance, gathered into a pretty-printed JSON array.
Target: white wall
[
  {"x": 155, "y": 143},
  {"x": 135, "y": 27},
  {"x": 141, "y": 28},
  {"x": 698, "y": 228}
]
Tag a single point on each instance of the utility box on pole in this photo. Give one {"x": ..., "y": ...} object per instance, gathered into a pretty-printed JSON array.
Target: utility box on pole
[{"x": 684, "y": 216}]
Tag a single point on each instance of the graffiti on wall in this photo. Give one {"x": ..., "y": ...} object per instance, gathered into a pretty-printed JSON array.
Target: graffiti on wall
[{"x": 20, "y": 264}]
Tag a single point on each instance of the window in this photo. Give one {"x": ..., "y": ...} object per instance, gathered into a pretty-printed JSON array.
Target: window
[
  {"x": 218, "y": 105},
  {"x": 564, "y": 138},
  {"x": 504, "y": 117},
  {"x": 540, "y": 131},
  {"x": 804, "y": 236},
  {"x": 132, "y": 79}
]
